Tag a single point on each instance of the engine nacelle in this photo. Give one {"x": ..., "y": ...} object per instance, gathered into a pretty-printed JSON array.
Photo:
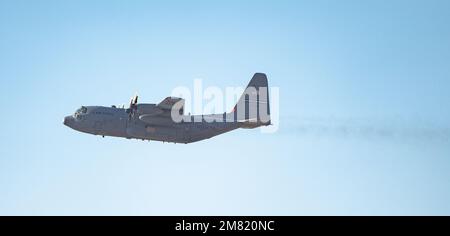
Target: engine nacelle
[{"x": 148, "y": 109}]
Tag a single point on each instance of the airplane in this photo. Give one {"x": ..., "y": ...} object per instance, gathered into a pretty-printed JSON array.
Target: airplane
[{"x": 167, "y": 122}]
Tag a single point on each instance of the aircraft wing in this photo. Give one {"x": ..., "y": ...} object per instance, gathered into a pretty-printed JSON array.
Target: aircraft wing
[
  {"x": 169, "y": 102},
  {"x": 164, "y": 108}
]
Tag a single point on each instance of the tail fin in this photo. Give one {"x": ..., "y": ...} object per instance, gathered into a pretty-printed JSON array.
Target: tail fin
[{"x": 252, "y": 109}]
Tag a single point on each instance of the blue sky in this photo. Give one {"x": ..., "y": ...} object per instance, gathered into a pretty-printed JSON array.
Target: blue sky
[{"x": 363, "y": 107}]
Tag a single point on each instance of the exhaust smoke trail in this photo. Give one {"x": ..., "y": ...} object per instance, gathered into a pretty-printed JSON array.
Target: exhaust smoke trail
[{"x": 369, "y": 128}]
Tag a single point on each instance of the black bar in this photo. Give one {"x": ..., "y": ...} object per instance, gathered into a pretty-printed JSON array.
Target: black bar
[{"x": 221, "y": 225}]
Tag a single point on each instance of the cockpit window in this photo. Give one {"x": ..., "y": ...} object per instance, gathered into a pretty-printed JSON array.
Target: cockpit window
[
  {"x": 83, "y": 110},
  {"x": 79, "y": 112}
]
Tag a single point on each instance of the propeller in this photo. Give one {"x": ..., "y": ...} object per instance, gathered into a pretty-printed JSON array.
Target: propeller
[
  {"x": 134, "y": 101},
  {"x": 133, "y": 105}
]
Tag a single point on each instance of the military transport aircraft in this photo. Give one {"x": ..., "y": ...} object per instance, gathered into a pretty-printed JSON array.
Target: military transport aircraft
[{"x": 166, "y": 121}]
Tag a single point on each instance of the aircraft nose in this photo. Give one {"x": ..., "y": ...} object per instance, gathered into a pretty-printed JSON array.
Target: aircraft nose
[{"x": 68, "y": 120}]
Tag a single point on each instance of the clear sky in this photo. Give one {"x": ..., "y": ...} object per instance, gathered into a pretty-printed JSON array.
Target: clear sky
[{"x": 364, "y": 98}]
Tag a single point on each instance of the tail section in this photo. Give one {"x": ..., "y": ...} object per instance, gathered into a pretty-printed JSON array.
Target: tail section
[{"x": 253, "y": 109}]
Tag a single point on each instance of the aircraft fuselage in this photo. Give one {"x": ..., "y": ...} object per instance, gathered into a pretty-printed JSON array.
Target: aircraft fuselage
[{"x": 117, "y": 122}]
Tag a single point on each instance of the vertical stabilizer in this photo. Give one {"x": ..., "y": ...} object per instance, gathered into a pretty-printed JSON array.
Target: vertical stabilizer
[{"x": 253, "y": 107}]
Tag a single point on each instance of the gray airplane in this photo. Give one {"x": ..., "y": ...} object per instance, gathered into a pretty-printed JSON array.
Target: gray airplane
[{"x": 166, "y": 121}]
